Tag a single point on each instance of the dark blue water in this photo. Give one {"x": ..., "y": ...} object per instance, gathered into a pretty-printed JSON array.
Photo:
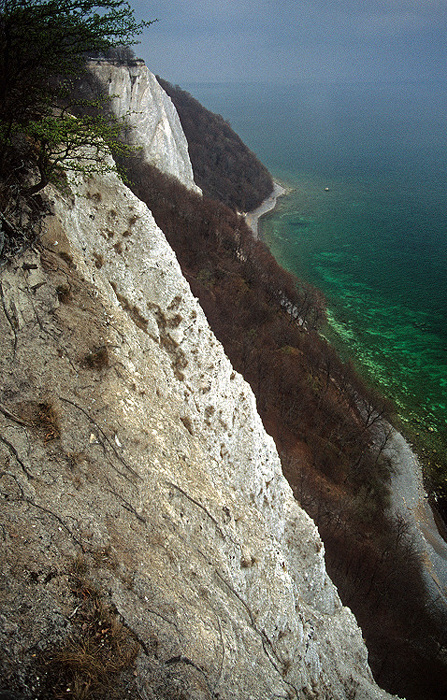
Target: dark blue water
[{"x": 366, "y": 220}]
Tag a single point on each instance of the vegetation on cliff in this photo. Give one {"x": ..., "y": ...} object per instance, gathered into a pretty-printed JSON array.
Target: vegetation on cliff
[
  {"x": 43, "y": 47},
  {"x": 224, "y": 167},
  {"x": 327, "y": 424}
]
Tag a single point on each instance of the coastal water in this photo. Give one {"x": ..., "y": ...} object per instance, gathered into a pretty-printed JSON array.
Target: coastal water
[{"x": 365, "y": 221}]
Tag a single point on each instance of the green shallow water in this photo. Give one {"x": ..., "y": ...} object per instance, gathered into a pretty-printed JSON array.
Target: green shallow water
[
  {"x": 365, "y": 221},
  {"x": 386, "y": 297}
]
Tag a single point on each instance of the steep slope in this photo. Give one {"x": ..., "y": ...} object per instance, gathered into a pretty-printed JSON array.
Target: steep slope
[
  {"x": 149, "y": 112},
  {"x": 373, "y": 559},
  {"x": 224, "y": 167},
  {"x": 140, "y": 489}
]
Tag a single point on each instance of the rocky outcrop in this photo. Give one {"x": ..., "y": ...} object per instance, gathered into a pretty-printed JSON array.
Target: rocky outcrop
[
  {"x": 146, "y": 522},
  {"x": 410, "y": 505},
  {"x": 130, "y": 444},
  {"x": 149, "y": 112}
]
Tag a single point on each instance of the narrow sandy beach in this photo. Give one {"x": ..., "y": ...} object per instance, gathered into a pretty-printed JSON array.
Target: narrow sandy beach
[
  {"x": 409, "y": 500},
  {"x": 252, "y": 217}
]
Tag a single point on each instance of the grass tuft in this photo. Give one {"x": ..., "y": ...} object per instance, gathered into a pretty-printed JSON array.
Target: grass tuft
[{"x": 97, "y": 652}]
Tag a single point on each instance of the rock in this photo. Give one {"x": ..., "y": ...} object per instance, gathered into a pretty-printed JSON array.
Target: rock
[
  {"x": 154, "y": 122},
  {"x": 181, "y": 539},
  {"x": 189, "y": 529},
  {"x": 2, "y": 238}
]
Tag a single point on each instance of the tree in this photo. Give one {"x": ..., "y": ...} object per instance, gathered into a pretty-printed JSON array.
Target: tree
[
  {"x": 66, "y": 142},
  {"x": 44, "y": 45}
]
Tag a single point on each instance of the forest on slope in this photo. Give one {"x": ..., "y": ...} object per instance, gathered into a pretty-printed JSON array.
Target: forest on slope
[
  {"x": 224, "y": 167},
  {"x": 331, "y": 429}
]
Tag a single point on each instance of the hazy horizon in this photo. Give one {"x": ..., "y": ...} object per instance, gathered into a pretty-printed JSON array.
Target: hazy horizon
[{"x": 312, "y": 40}]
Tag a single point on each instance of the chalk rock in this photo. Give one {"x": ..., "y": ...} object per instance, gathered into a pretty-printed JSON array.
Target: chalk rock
[
  {"x": 149, "y": 112},
  {"x": 135, "y": 462}
]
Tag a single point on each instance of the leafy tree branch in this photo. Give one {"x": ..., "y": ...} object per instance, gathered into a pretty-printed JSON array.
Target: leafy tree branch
[{"x": 44, "y": 45}]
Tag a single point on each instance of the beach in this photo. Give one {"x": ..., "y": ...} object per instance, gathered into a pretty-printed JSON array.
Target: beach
[
  {"x": 410, "y": 503},
  {"x": 252, "y": 217}
]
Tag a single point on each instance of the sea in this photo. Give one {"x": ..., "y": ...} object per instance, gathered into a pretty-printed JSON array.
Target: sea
[{"x": 365, "y": 221}]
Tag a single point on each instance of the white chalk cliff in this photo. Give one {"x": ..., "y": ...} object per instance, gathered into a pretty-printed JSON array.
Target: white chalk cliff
[
  {"x": 154, "y": 123},
  {"x": 155, "y": 466}
]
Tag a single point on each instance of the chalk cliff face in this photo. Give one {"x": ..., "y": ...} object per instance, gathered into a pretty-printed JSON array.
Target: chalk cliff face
[
  {"x": 154, "y": 122},
  {"x": 135, "y": 459}
]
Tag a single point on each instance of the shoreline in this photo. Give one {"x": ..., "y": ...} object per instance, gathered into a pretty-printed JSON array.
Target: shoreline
[
  {"x": 252, "y": 217},
  {"x": 411, "y": 503},
  {"x": 409, "y": 499}
]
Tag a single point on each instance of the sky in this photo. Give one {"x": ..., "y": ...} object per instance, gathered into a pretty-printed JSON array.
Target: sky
[{"x": 291, "y": 41}]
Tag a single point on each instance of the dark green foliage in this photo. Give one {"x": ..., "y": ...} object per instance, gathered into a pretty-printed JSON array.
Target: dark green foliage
[
  {"x": 40, "y": 39},
  {"x": 43, "y": 46},
  {"x": 224, "y": 168}
]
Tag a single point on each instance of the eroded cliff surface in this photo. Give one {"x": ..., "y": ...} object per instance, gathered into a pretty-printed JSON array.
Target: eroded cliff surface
[
  {"x": 153, "y": 120},
  {"x": 132, "y": 451},
  {"x": 151, "y": 545}
]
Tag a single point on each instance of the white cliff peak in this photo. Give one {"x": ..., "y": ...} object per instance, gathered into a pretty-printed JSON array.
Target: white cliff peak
[{"x": 153, "y": 120}]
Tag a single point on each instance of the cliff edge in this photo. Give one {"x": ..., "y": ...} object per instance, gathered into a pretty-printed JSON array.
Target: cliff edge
[
  {"x": 151, "y": 545},
  {"x": 152, "y": 120}
]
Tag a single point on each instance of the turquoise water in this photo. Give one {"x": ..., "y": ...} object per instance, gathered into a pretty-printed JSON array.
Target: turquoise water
[{"x": 366, "y": 220}]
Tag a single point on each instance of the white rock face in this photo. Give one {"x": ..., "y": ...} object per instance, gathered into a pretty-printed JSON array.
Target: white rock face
[
  {"x": 246, "y": 583},
  {"x": 155, "y": 124},
  {"x": 160, "y": 473},
  {"x": 160, "y": 463},
  {"x": 410, "y": 502}
]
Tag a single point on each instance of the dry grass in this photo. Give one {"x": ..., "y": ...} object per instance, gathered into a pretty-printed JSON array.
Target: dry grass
[
  {"x": 40, "y": 415},
  {"x": 63, "y": 292},
  {"x": 97, "y": 652},
  {"x": 97, "y": 359}
]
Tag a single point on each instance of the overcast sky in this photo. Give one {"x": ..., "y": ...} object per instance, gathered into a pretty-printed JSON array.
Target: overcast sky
[{"x": 294, "y": 40}]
